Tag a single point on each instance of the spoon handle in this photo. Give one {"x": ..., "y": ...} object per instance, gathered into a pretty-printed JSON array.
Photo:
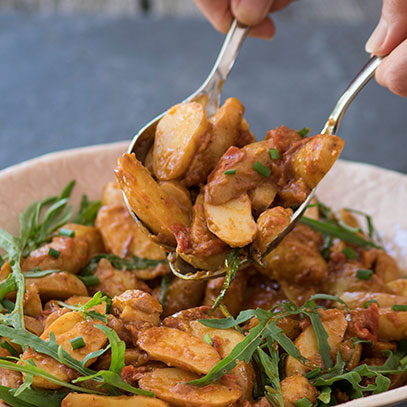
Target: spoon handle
[
  {"x": 358, "y": 82},
  {"x": 212, "y": 85}
]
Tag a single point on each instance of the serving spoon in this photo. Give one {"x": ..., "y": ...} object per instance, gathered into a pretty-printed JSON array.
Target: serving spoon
[{"x": 209, "y": 95}]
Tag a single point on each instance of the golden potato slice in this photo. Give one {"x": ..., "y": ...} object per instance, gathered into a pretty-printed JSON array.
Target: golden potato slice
[
  {"x": 148, "y": 200},
  {"x": 270, "y": 224},
  {"x": 226, "y": 340},
  {"x": 32, "y": 300},
  {"x": 122, "y": 236},
  {"x": 335, "y": 325},
  {"x": 179, "y": 193},
  {"x": 315, "y": 158},
  {"x": 112, "y": 195},
  {"x": 392, "y": 325},
  {"x": 357, "y": 299},
  {"x": 10, "y": 378},
  {"x": 180, "y": 132},
  {"x": 399, "y": 286},
  {"x": 91, "y": 400},
  {"x": 178, "y": 348},
  {"x": 294, "y": 388},
  {"x": 90, "y": 235},
  {"x": 58, "y": 286},
  {"x": 232, "y": 222},
  {"x": 169, "y": 384},
  {"x": 262, "y": 197},
  {"x": 65, "y": 328},
  {"x": 226, "y": 131}
]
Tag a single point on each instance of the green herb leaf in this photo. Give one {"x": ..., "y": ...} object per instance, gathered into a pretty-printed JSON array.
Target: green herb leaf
[
  {"x": 364, "y": 274},
  {"x": 322, "y": 339},
  {"x": 118, "y": 349},
  {"x": 89, "y": 280},
  {"x": 304, "y": 132},
  {"x": 164, "y": 289},
  {"x": 304, "y": 402},
  {"x": 225, "y": 323},
  {"x": 349, "y": 253},
  {"x": 37, "y": 273},
  {"x": 88, "y": 211},
  {"x": 207, "y": 338},
  {"x": 232, "y": 262},
  {"x": 367, "y": 303}
]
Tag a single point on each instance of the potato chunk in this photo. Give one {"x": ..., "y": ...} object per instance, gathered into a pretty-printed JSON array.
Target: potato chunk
[
  {"x": 315, "y": 158},
  {"x": 179, "y": 193},
  {"x": 180, "y": 132},
  {"x": 232, "y": 222},
  {"x": 58, "y": 286},
  {"x": 178, "y": 348},
  {"x": 335, "y": 325},
  {"x": 262, "y": 197},
  {"x": 170, "y": 385},
  {"x": 148, "y": 200},
  {"x": 92, "y": 400},
  {"x": 122, "y": 236},
  {"x": 294, "y": 388},
  {"x": 112, "y": 195},
  {"x": 270, "y": 224}
]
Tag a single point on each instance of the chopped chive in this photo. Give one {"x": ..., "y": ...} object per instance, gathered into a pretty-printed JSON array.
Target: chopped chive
[
  {"x": 313, "y": 373},
  {"x": 66, "y": 232},
  {"x": 304, "y": 402},
  {"x": 208, "y": 339},
  {"x": 398, "y": 307},
  {"x": 5, "y": 345},
  {"x": 367, "y": 303},
  {"x": 230, "y": 172},
  {"x": 89, "y": 280},
  {"x": 77, "y": 343},
  {"x": 54, "y": 253},
  {"x": 304, "y": 132},
  {"x": 349, "y": 253},
  {"x": 274, "y": 154},
  {"x": 364, "y": 274},
  {"x": 7, "y": 304},
  {"x": 261, "y": 169}
]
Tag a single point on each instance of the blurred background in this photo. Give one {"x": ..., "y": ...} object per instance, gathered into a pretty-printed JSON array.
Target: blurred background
[{"x": 82, "y": 72}]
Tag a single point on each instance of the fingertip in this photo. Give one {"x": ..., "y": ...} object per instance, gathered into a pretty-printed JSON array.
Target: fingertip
[
  {"x": 265, "y": 30},
  {"x": 250, "y": 12}
]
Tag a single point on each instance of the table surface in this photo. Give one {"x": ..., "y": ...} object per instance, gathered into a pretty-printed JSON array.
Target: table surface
[{"x": 70, "y": 81}]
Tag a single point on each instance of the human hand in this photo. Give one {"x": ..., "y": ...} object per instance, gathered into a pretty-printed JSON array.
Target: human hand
[
  {"x": 250, "y": 12},
  {"x": 390, "y": 38}
]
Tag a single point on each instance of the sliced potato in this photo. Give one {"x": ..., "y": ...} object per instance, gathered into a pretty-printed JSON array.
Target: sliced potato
[
  {"x": 90, "y": 235},
  {"x": 226, "y": 340},
  {"x": 179, "y": 193},
  {"x": 262, "y": 197},
  {"x": 178, "y": 348},
  {"x": 58, "y": 286},
  {"x": 270, "y": 224},
  {"x": 112, "y": 195},
  {"x": 92, "y": 400},
  {"x": 315, "y": 158},
  {"x": 122, "y": 236},
  {"x": 357, "y": 299},
  {"x": 399, "y": 286},
  {"x": 226, "y": 131},
  {"x": 178, "y": 135},
  {"x": 170, "y": 384},
  {"x": 335, "y": 325},
  {"x": 294, "y": 388},
  {"x": 148, "y": 200},
  {"x": 392, "y": 324},
  {"x": 232, "y": 222},
  {"x": 32, "y": 300}
]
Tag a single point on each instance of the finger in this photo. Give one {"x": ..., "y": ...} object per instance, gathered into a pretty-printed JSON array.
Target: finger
[
  {"x": 392, "y": 72},
  {"x": 265, "y": 30},
  {"x": 217, "y": 12},
  {"x": 250, "y": 12},
  {"x": 279, "y": 4},
  {"x": 391, "y": 30}
]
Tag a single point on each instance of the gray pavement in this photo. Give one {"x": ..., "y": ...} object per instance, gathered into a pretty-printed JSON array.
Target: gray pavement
[{"x": 69, "y": 81}]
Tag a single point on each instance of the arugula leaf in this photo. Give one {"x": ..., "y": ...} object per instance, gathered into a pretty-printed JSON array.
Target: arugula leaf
[
  {"x": 331, "y": 229},
  {"x": 232, "y": 262},
  {"x": 7, "y": 396},
  {"x": 28, "y": 379},
  {"x": 164, "y": 289},
  {"x": 118, "y": 349},
  {"x": 88, "y": 211},
  {"x": 37, "y": 273},
  {"x": 41, "y": 398},
  {"x": 225, "y": 323}
]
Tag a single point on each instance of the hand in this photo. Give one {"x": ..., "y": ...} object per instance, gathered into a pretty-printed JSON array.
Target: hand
[
  {"x": 250, "y": 12},
  {"x": 390, "y": 38}
]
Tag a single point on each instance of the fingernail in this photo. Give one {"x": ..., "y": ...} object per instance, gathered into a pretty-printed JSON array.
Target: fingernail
[{"x": 376, "y": 40}]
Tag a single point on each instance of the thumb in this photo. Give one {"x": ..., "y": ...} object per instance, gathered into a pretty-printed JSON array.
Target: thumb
[
  {"x": 250, "y": 12},
  {"x": 391, "y": 30}
]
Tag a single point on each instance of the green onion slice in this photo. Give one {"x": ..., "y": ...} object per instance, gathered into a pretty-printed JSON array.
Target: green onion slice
[
  {"x": 77, "y": 343},
  {"x": 364, "y": 274},
  {"x": 274, "y": 154},
  {"x": 399, "y": 307},
  {"x": 304, "y": 132},
  {"x": 66, "y": 232},
  {"x": 54, "y": 253},
  {"x": 367, "y": 303},
  {"x": 261, "y": 169},
  {"x": 208, "y": 339},
  {"x": 230, "y": 172}
]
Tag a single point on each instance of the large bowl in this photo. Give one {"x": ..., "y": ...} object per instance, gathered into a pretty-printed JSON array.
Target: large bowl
[{"x": 381, "y": 193}]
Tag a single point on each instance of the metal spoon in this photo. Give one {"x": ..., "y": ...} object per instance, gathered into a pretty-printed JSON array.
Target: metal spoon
[{"x": 184, "y": 270}]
